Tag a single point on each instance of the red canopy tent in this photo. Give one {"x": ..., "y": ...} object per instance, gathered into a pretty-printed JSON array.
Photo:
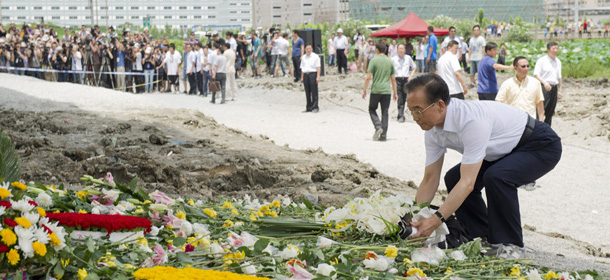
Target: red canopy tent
[{"x": 410, "y": 26}]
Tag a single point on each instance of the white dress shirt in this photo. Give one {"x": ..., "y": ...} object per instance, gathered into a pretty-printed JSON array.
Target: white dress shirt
[
  {"x": 548, "y": 69},
  {"x": 200, "y": 60},
  {"x": 479, "y": 130},
  {"x": 190, "y": 59},
  {"x": 403, "y": 65},
  {"x": 310, "y": 63},
  {"x": 172, "y": 62},
  {"x": 341, "y": 42},
  {"x": 447, "y": 65}
]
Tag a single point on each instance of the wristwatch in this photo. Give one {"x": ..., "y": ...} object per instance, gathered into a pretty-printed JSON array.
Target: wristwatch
[{"x": 440, "y": 216}]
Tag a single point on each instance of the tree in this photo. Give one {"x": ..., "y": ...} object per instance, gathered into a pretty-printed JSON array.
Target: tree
[
  {"x": 154, "y": 31},
  {"x": 480, "y": 17},
  {"x": 510, "y": 20},
  {"x": 288, "y": 26}
]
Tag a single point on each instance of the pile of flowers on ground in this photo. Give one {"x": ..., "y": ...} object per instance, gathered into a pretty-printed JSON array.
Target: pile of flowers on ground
[{"x": 195, "y": 239}]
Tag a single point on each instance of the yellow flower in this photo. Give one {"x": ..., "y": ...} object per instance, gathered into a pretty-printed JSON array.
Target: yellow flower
[
  {"x": 111, "y": 264},
  {"x": 391, "y": 252},
  {"x": 448, "y": 271},
  {"x": 253, "y": 217},
  {"x": 181, "y": 215},
  {"x": 275, "y": 204},
  {"x": 407, "y": 261},
  {"x": 260, "y": 214},
  {"x": 147, "y": 201},
  {"x": 515, "y": 271},
  {"x": 272, "y": 214},
  {"x": 204, "y": 242},
  {"x": 54, "y": 240},
  {"x": 24, "y": 222},
  {"x": 521, "y": 278},
  {"x": 82, "y": 274},
  {"x": 65, "y": 263},
  {"x": 139, "y": 210},
  {"x": 142, "y": 241},
  {"x": 39, "y": 248},
  {"x": 41, "y": 212},
  {"x": 228, "y": 223},
  {"x": 264, "y": 208},
  {"x": 193, "y": 241},
  {"x": 227, "y": 204},
  {"x": 8, "y": 237},
  {"x": 210, "y": 212},
  {"x": 128, "y": 266},
  {"x": 82, "y": 211},
  {"x": 19, "y": 186},
  {"x": 13, "y": 257},
  {"x": 52, "y": 187},
  {"x": 415, "y": 271},
  {"x": 82, "y": 194},
  {"x": 239, "y": 255},
  {"x": 169, "y": 226},
  {"x": 191, "y": 202},
  {"x": 234, "y": 211},
  {"x": 550, "y": 275},
  {"x": 164, "y": 272},
  {"x": 4, "y": 193}
]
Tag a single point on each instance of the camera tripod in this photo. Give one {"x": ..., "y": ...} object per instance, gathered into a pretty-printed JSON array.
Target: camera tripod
[
  {"x": 89, "y": 78},
  {"x": 106, "y": 68}
]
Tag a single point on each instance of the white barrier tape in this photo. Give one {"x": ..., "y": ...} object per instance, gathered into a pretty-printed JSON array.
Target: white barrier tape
[{"x": 70, "y": 71}]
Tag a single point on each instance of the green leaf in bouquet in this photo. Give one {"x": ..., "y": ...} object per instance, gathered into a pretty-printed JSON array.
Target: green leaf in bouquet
[
  {"x": 10, "y": 168},
  {"x": 183, "y": 258},
  {"x": 92, "y": 276},
  {"x": 58, "y": 270},
  {"x": 179, "y": 241},
  {"x": 90, "y": 244},
  {"x": 285, "y": 227},
  {"x": 260, "y": 245},
  {"x": 471, "y": 249},
  {"x": 121, "y": 277}
]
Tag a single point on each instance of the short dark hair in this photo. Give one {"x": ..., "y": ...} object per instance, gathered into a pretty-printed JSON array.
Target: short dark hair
[
  {"x": 452, "y": 43},
  {"x": 229, "y": 33},
  {"x": 199, "y": 44},
  {"x": 172, "y": 45},
  {"x": 381, "y": 46},
  {"x": 433, "y": 85},
  {"x": 452, "y": 27},
  {"x": 430, "y": 28},
  {"x": 295, "y": 32},
  {"x": 516, "y": 60},
  {"x": 216, "y": 45},
  {"x": 551, "y": 44},
  {"x": 476, "y": 26},
  {"x": 227, "y": 45},
  {"x": 490, "y": 46}
]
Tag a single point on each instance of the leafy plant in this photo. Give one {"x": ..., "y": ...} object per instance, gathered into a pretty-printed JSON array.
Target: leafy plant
[{"x": 10, "y": 168}]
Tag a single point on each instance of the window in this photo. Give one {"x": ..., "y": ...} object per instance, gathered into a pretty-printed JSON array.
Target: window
[
  {"x": 167, "y": 8},
  {"x": 197, "y": 17},
  {"x": 245, "y": 4},
  {"x": 233, "y": 12},
  {"x": 211, "y": 16},
  {"x": 135, "y": 7},
  {"x": 182, "y": 17},
  {"x": 307, "y": 5},
  {"x": 245, "y": 12},
  {"x": 276, "y": 7},
  {"x": 168, "y": 17},
  {"x": 54, "y": 8},
  {"x": 55, "y": 17},
  {"x": 37, "y": 8},
  {"x": 20, "y": 8},
  {"x": 277, "y": 16},
  {"x": 151, "y": 7},
  {"x": 233, "y": 4},
  {"x": 211, "y": 8},
  {"x": 103, "y": 17},
  {"x": 89, "y": 17},
  {"x": 307, "y": 14},
  {"x": 73, "y": 17},
  {"x": 38, "y": 18},
  {"x": 233, "y": 20},
  {"x": 245, "y": 19},
  {"x": 197, "y": 7},
  {"x": 135, "y": 17},
  {"x": 118, "y": 8},
  {"x": 72, "y": 8},
  {"x": 5, "y": 8},
  {"x": 183, "y": 8},
  {"x": 120, "y": 17},
  {"x": 20, "y": 17},
  {"x": 101, "y": 8}
]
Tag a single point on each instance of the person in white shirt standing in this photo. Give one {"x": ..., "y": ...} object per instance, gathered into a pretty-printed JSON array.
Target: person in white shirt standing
[
  {"x": 357, "y": 38},
  {"x": 172, "y": 60},
  {"x": 310, "y": 77},
  {"x": 330, "y": 46},
  {"x": 405, "y": 69},
  {"x": 476, "y": 52},
  {"x": 452, "y": 37},
  {"x": 199, "y": 66},
  {"x": 190, "y": 58},
  {"x": 393, "y": 49},
  {"x": 219, "y": 72},
  {"x": 548, "y": 72},
  {"x": 341, "y": 45},
  {"x": 450, "y": 71},
  {"x": 229, "y": 54}
]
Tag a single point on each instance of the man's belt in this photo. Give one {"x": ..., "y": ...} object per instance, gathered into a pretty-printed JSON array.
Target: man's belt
[{"x": 529, "y": 129}]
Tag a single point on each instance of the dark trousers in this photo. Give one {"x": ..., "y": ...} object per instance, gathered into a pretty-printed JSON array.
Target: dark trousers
[
  {"x": 341, "y": 60},
  {"x": 222, "y": 78},
  {"x": 464, "y": 63},
  {"x": 500, "y": 219},
  {"x": 311, "y": 90},
  {"x": 384, "y": 100},
  {"x": 192, "y": 82},
  {"x": 550, "y": 102},
  {"x": 296, "y": 65},
  {"x": 402, "y": 96},
  {"x": 199, "y": 77},
  {"x": 487, "y": 96},
  {"x": 457, "y": 95},
  {"x": 206, "y": 78}
]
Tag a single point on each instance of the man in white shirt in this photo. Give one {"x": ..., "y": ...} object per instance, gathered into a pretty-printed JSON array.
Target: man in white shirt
[
  {"x": 523, "y": 91},
  {"x": 548, "y": 72},
  {"x": 172, "y": 60},
  {"x": 341, "y": 45},
  {"x": 231, "y": 41},
  {"x": 502, "y": 148},
  {"x": 219, "y": 69},
  {"x": 452, "y": 37},
  {"x": 310, "y": 77},
  {"x": 276, "y": 43},
  {"x": 331, "y": 50},
  {"x": 190, "y": 58},
  {"x": 77, "y": 64},
  {"x": 199, "y": 66},
  {"x": 450, "y": 71},
  {"x": 476, "y": 52},
  {"x": 206, "y": 62},
  {"x": 405, "y": 69},
  {"x": 283, "y": 46},
  {"x": 229, "y": 54},
  {"x": 357, "y": 38}
]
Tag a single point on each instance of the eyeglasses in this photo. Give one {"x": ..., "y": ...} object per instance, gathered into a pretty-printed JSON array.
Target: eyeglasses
[
  {"x": 525, "y": 66},
  {"x": 419, "y": 114}
]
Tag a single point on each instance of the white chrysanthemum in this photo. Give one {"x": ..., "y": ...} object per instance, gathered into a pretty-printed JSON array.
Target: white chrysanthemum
[
  {"x": 154, "y": 231},
  {"x": 22, "y": 205},
  {"x": 32, "y": 217},
  {"x": 379, "y": 264},
  {"x": 199, "y": 203},
  {"x": 324, "y": 242},
  {"x": 43, "y": 221},
  {"x": 186, "y": 227},
  {"x": 326, "y": 270},
  {"x": 248, "y": 239},
  {"x": 289, "y": 252},
  {"x": 60, "y": 232},
  {"x": 534, "y": 275},
  {"x": 457, "y": 255},
  {"x": 2, "y": 211},
  {"x": 44, "y": 200},
  {"x": 25, "y": 238},
  {"x": 41, "y": 235},
  {"x": 201, "y": 229},
  {"x": 128, "y": 205},
  {"x": 247, "y": 268},
  {"x": 216, "y": 249}
]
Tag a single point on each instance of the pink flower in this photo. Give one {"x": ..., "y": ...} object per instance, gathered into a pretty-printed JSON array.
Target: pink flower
[
  {"x": 154, "y": 216},
  {"x": 172, "y": 220},
  {"x": 298, "y": 272},
  {"x": 160, "y": 256},
  {"x": 189, "y": 248},
  {"x": 110, "y": 180},
  {"x": 161, "y": 198},
  {"x": 148, "y": 262}
]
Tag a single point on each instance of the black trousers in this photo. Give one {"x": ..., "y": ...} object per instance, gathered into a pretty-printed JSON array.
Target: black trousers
[
  {"x": 311, "y": 90},
  {"x": 296, "y": 65},
  {"x": 550, "y": 102},
  {"x": 341, "y": 60},
  {"x": 500, "y": 219},
  {"x": 487, "y": 96},
  {"x": 199, "y": 77},
  {"x": 192, "y": 82},
  {"x": 402, "y": 96},
  {"x": 384, "y": 100}
]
